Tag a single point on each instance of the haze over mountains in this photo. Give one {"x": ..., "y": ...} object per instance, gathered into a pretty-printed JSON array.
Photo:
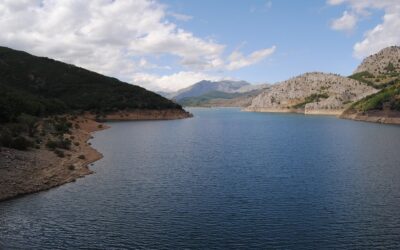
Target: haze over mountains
[{"x": 217, "y": 93}]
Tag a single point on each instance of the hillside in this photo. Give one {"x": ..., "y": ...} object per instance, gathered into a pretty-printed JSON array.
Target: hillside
[
  {"x": 311, "y": 93},
  {"x": 383, "y": 106},
  {"x": 385, "y": 61},
  {"x": 41, "y": 86},
  {"x": 33, "y": 88},
  {"x": 47, "y": 112},
  {"x": 381, "y": 69}
]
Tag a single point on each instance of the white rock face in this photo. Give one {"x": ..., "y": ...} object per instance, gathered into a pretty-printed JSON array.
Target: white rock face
[
  {"x": 336, "y": 93},
  {"x": 376, "y": 64}
]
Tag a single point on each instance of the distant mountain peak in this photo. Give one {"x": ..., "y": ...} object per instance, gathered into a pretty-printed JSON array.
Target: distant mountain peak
[{"x": 205, "y": 86}]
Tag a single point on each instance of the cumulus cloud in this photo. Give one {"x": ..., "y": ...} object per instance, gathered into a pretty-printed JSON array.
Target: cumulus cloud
[
  {"x": 174, "y": 81},
  {"x": 346, "y": 23},
  {"x": 107, "y": 36},
  {"x": 237, "y": 60},
  {"x": 384, "y": 34},
  {"x": 181, "y": 17}
]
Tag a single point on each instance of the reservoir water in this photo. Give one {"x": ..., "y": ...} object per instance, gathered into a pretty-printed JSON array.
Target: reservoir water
[{"x": 224, "y": 179}]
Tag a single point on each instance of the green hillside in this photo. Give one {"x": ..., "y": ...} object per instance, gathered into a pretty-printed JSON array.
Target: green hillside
[
  {"x": 380, "y": 81},
  {"x": 37, "y": 92},
  {"x": 388, "y": 97},
  {"x": 41, "y": 86}
]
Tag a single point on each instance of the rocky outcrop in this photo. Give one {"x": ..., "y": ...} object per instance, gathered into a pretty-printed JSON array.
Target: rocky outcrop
[
  {"x": 311, "y": 93},
  {"x": 386, "y": 60},
  {"x": 381, "y": 70}
]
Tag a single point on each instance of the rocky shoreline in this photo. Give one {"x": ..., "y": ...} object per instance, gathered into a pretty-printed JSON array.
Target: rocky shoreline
[
  {"x": 384, "y": 117},
  {"x": 332, "y": 112},
  {"x": 25, "y": 172},
  {"x": 136, "y": 115}
]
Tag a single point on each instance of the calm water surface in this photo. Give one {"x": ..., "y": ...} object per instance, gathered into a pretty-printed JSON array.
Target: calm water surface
[{"x": 224, "y": 179}]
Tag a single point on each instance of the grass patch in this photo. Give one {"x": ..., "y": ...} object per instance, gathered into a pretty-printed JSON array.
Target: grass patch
[{"x": 310, "y": 99}]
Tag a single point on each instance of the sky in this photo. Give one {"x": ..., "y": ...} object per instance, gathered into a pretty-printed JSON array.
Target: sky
[{"x": 166, "y": 45}]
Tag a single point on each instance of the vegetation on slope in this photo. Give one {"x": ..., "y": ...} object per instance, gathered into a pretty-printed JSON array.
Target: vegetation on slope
[
  {"x": 379, "y": 81},
  {"x": 34, "y": 87},
  {"x": 386, "y": 98},
  {"x": 388, "y": 80},
  {"x": 310, "y": 99},
  {"x": 40, "y": 86}
]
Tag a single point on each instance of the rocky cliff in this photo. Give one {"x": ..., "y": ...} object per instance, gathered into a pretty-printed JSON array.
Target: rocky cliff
[
  {"x": 311, "y": 93},
  {"x": 385, "y": 61},
  {"x": 381, "y": 70}
]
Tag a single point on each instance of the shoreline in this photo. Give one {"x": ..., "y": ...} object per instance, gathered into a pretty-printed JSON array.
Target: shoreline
[
  {"x": 333, "y": 112},
  {"x": 382, "y": 117},
  {"x": 36, "y": 170}
]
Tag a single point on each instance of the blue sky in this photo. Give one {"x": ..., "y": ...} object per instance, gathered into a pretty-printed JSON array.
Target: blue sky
[
  {"x": 300, "y": 30},
  {"x": 170, "y": 44}
]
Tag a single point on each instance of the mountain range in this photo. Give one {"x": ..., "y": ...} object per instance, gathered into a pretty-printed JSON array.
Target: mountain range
[
  {"x": 372, "y": 88},
  {"x": 217, "y": 93}
]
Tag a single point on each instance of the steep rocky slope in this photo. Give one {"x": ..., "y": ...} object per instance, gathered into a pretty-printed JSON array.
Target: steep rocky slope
[
  {"x": 311, "y": 93},
  {"x": 385, "y": 61},
  {"x": 381, "y": 70}
]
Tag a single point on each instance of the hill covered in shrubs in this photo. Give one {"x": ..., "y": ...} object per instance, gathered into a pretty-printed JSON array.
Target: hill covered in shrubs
[{"x": 34, "y": 87}]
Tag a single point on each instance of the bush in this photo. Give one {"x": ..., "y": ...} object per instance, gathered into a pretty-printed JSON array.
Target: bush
[
  {"x": 51, "y": 144},
  {"x": 61, "y": 143},
  {"x": 21, "y": 143},
  {"x": 5, "y": 138},
  {"x": 82, "y": 157},
  {"x": 59, "y": 153}
]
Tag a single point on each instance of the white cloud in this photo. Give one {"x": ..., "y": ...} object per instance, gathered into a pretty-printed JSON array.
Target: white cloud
[
  {"x": 174, "y": 81},
  {"x": 181, "y": 17},
  {"x": 107, "y": 36},
  {"x": 346, "y": 23},
  {"x": 237, "y": 60},
  {"x": 384, "y": 34}
]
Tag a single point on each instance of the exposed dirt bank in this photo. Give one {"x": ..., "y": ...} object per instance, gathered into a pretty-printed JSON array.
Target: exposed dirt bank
[
  {"x": 24, "y": 172},
  {"x": 386, "y": 117}
]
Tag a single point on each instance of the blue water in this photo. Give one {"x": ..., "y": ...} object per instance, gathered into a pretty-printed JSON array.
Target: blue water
[{"x": 223, "y": 179}]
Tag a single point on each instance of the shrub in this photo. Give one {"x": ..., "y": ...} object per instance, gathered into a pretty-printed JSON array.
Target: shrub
[
  {"x": 5, "y": 138},
  {"x": 21, "y": 143},
  {"x": 61, "y": 143},
  {"x": 59, "y": 153},
  {"x": 82, "y": 157}
]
